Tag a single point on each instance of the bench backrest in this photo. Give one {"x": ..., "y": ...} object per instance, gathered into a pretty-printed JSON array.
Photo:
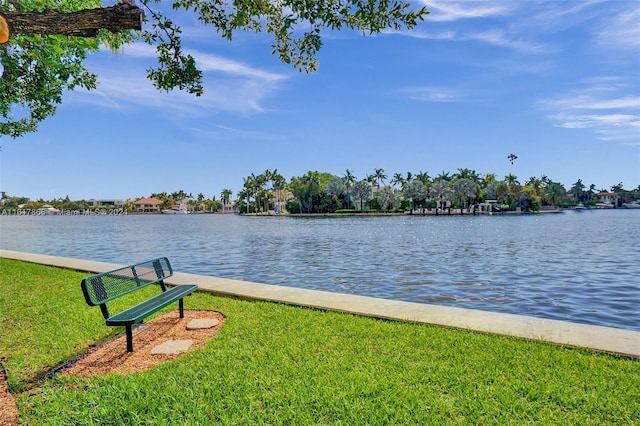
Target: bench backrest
[{"x": 100, "y": 288}]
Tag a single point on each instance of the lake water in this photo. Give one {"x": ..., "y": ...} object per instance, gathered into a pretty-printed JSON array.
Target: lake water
[{"x": 581, "y": 267}]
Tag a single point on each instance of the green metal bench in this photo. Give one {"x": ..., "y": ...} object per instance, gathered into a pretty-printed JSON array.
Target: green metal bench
[{"x": 102, "y": 288}]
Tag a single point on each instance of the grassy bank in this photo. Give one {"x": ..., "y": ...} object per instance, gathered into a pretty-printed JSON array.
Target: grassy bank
[{"x": 276, "y": 364}]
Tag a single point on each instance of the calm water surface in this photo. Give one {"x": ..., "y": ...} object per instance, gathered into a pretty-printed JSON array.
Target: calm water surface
[{"x": 582, "y": 267}]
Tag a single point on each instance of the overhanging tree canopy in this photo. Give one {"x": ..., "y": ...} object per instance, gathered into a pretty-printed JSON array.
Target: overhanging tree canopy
[
  {"x": 47, "y": 42},
  {"x": 83, "y": 23}
]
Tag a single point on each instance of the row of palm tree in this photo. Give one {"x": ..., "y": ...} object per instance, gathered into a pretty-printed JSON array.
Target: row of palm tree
[
  {"x": 317, "y": 192},
  {"x": 195, "y": 204},
  {"x": 265, "y": 189}
]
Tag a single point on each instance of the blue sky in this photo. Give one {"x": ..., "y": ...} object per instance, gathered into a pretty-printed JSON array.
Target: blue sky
[{"x": 555, "y": 82}]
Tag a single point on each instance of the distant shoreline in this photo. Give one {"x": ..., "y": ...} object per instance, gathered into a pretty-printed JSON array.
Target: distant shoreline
[{"x": 415, "y": 213}]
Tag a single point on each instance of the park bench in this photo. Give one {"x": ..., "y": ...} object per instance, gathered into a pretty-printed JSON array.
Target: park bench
[{"x": 102, "y": 288}]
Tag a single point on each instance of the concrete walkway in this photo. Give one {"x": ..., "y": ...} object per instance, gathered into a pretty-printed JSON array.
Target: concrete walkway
[{"x": 620, "y": 341}]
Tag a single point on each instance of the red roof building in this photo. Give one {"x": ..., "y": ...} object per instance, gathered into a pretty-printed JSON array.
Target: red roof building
[{"x": 147, "y": 205}]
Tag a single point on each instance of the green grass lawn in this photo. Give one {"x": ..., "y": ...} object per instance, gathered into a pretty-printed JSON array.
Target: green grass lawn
[{"x": 278, "y": 364}]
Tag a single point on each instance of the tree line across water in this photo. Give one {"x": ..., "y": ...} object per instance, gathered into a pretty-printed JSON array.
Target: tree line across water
[
  {"x": 318, "y": 192},
  {"x": 322, "y": 192}
]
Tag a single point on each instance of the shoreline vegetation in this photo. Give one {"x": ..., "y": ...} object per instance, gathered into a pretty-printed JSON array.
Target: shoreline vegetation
[
  {"x": 465, "y": 191},
  {"x": 278, "y": 364},
  {"x": 423, "y": 212},
  {"x": 348, "y": 213}
]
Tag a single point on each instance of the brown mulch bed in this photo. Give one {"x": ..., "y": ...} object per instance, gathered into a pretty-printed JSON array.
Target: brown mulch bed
[
  {"x": 8, "y": 407},
  {"x": 112, "y": 356}
]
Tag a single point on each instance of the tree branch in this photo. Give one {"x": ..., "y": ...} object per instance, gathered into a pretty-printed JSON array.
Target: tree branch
[{"x": 84, "y": 23}]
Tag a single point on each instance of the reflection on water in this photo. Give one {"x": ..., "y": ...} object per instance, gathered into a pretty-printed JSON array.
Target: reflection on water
[{"x": 569, "y": 266}]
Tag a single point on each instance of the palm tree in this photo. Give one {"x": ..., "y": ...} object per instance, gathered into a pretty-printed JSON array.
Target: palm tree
[
  {"x": 398, "y": 179},
  {"x": 617, "y": 187},
  {"x": 533, "y": 181},
  {"x": 423, "y": 177},
  {"x": 409, "y": 177},
  {"x": 379, "y": 176},
  {"x": 488, "y": 178},
  {"x": 225, "y": 196},
  {"x": 248, "y": 184},
  {"x": 443, "y": 176},
  {"x": 512, "y": 180},
  {"x": 264, "y": 199},
  {"x": 467, "y": 174},
  {"x": 577, "y": 190},
  {"x": 200, "y": 200},
  {"x": 258, "y": 185},
  {"x": 535, "y": 186},
  {"x": 592, "y": 192},
  {"x": 267, "y": 178},
  {"x": 279, "y": 184},
  {"x": 349, "y": 179},
  {"x": 554, "y": 193},
  {"x": 372, "y": 180},
  {"x": 180, "y": 195},
  {"x": 545, "y": 180}
]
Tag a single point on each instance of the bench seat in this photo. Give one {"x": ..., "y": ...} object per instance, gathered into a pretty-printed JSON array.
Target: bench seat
[{"x": 142, "y": 310}]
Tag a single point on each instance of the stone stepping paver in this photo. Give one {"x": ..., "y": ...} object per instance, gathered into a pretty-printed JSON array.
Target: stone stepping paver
[
  {"x": 172, "y": 347},
  {"x": 200, "y": 323}
]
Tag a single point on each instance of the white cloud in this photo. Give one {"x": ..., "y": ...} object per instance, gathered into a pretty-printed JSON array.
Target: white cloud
[
  {"x": 444, "y": 35},
  {"x": 623, "y": 128},
  {"x": 499, "y": 38},
  {"x": 489, "y": 22},
  {"x": 610, "y": 118},
  {"x": 135, "y": 50},
  {"x": 555, "y": 16},
  {"x": 593, "y": 121},
  {"x": 589, "y": 102},
  {"x": 495, "y": 37},
  {"x": 229, "y": 85},
  {"x": 431, "y": 94},
  {"x": 212, "y": 63},
  {"x": 621, "y": 30},
  {"x": 445, "y": 11},
  {"x": 206, "y": 62}
]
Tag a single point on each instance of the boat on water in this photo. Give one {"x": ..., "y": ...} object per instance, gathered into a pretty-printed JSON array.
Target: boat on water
[
  {"x": 579, "y": 207},
  {"x": 632, "y": 205},
  {"x": 47, "y": 210},
  {"x": 175, "y": 210},
  {"x": 605, "y": 206}
]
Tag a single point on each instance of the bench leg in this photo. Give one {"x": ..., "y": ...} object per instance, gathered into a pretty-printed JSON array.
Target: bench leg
[
  {"x": 129, "y": 339},
  {"x": 181, "y": 304}
]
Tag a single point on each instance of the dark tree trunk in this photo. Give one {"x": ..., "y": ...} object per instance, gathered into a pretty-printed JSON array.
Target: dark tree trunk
[{"x": 84, "y": 23}]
